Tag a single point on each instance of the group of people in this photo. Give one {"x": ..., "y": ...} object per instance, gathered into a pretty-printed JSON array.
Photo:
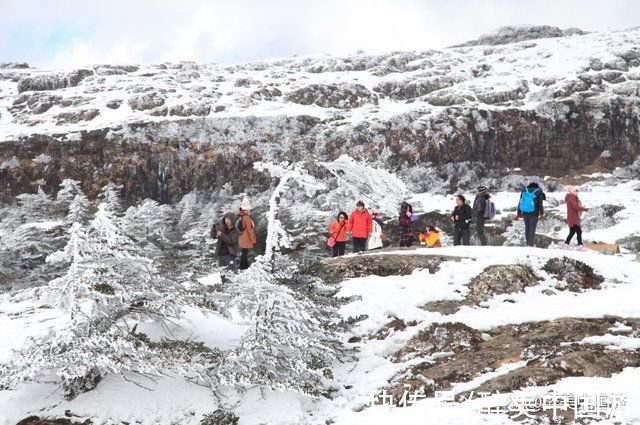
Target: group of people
[
  {"x": 366, "y": 229},
  {"x": 236, "y": 232}
]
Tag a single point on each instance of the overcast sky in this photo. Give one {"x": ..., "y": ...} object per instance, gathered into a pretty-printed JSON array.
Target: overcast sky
[{"x": 70, "y": 33}]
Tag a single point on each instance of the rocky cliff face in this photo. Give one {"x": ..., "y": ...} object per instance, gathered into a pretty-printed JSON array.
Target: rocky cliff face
[{"x": 562, "y": 102}]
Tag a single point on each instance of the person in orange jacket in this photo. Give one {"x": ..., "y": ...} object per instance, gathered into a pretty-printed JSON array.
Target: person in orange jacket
[
  {"x": 247, "y": 240},
  {"x": 361, "y": 227},
  {"x": 430, "y": 236},
  {"x": 338, "y": 230}
]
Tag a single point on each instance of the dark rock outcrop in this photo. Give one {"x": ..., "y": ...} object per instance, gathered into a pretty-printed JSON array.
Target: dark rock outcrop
[
  {"x": 382, "y": 265},
  {"x": 576, "y": 275},
  {"x": 550, "y": 349}
]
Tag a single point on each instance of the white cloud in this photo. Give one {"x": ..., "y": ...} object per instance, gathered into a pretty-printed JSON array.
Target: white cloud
[{"x": 67, "y": 33}]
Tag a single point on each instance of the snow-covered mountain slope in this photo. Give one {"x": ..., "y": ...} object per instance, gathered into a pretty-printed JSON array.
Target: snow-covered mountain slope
[
  {"x": 547, "y": 105},
  {"x": 522, "y": 321},
  {"x": 361, "y": 87},
  {"x": 585, "y": 341}
]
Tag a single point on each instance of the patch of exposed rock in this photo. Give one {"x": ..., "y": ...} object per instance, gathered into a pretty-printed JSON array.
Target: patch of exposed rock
[
  {"x": 53, "y": 81},
  {"x": 492, "y": 281},
  {"x": 551, "y": 350},
  {"x": 516, "y": 33},
  {"x": 146, "y": 101},
  {"x": 412, "y": 88},
  {"x": 574, "y": 275},
  {"x": 342, "y": 96},
  {"x": 342, "y": 268}
]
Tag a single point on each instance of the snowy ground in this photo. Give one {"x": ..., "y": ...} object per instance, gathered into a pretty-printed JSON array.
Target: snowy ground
[{"x": 172, "y": 400}]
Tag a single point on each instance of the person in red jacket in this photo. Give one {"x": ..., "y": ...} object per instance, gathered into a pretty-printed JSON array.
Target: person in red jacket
[
  {"x": 574, "y": 211},
  {"x": 338, "y": 230},
  {"x": 361, "y": 227}
]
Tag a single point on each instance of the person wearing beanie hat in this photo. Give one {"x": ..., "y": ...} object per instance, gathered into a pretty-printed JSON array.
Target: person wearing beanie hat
[
  {"x": 245, "y": 205},
  {"x": 461, "y": 217},
  {"x": 479, "y": 212},
  {"x": 531, "y": 209},
  {"x": 574, "y": 210},
  {"x": 248, "y": 236}
]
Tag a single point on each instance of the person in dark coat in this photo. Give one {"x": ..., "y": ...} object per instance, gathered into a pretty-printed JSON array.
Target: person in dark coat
[
  {"x": 535, "y": 212},
  {"x": 479, "y": 208},
  {"x": 461, "y": 217},
  {"x": 405, "y": 233},
  {"x": 574, "y": 210},
  {"x": 227, "y": 242}
]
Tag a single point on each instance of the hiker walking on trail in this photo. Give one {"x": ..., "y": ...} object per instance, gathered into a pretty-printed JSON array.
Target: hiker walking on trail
[
  {"x": 338, "y": 229},
  {"x": 227, "y": 242},
  {"x": 531, "y": 209},
  {"x": 245, "y": 224},
  {"x": 574, "y": 211},
  {"x": 483, "y": 209},
  {"x": 406, "y": 218},
  {"x": 361, "y": 227},
  {"x": 461, "y": 217},
  {"x": 375, "y": 238}
]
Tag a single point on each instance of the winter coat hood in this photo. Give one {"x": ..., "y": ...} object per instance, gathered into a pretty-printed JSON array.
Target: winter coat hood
[{"x": 231, "y": 216}]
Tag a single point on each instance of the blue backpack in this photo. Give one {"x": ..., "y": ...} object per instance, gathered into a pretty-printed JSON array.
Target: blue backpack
[{"x": 528, "y": 200}]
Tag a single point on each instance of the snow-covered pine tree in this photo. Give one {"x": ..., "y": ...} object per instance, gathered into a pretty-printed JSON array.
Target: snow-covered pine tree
[
  {"x": 291, "y": 344},
  {"x": 110, "y": 194},
  {"x": 78, "y": 211},
  {"x": 377, "y": 187},
  {"x": 147, "y": 223},
  {"x": 69, "y": 188},
  {"x": 73, "y": 201},
  {"x": 108, "y": 289},
  {"x": 29, "y": 232}
]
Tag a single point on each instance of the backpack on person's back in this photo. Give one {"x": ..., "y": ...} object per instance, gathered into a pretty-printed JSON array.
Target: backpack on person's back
[
  {"x": 528, "y": 200},
  {"x": 489, "y": 209}
]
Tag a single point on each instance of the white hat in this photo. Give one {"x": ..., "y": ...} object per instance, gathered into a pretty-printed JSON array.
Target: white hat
[{"x": 245, "y": 205}]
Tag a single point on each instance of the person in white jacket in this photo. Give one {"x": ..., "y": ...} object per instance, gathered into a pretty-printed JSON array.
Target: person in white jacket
[{"x": 375, "y": 238}]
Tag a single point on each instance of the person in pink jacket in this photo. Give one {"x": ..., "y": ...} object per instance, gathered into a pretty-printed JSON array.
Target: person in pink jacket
[{"x": 574, "y": 211}]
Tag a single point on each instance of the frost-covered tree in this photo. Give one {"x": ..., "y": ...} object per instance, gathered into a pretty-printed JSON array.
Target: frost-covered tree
[
  {"x": 29, "y": 231},
  {"x": 147, "y": 222},
  {"x": 110, "y": 194},
  {"x": 290, "y": 345},
  {"x": 108, "y": 289},
  {"x": 73, "y": 201},
  {"x": 377, "y": 187},
  {"x": 69, "y": 188},
  {"x": 36, "y": 207},
  {"x": 78, "y": 211},
  {"x": 287, "y": 174}
]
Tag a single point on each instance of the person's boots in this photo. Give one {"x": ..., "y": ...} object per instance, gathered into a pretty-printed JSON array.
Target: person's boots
[
  {"x": 582, "y": 248},
  {"x": 566, "y": 247}
]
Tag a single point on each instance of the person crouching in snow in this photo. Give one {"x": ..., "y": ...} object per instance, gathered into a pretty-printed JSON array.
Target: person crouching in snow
[
  {"x": 375, "y": 238},
  {"x": 338, "y": 230},
  {"x": 244, "y": 223},
  {"x": 361, "y": 227},
  {"x": 406, "y": 218},
  {"x": 574, "y": 211},
  {"x": 430, "y": 237}
]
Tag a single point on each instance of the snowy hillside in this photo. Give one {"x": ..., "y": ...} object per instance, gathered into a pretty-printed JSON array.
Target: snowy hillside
[
  {"x": 113, "y": 309},
  {"x": 523, "y": 74}
]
